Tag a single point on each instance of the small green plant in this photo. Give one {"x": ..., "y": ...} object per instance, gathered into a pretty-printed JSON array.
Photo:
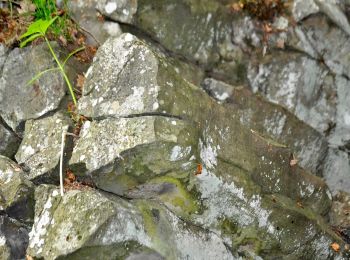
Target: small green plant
[
  {"x": 44, "y": 9},
  {"x": 38, "y": 29}
]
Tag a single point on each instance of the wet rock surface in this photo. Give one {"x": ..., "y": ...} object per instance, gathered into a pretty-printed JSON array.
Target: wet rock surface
[
  {"x": 209, "y": 135},
  {"x": 208, "y": 156},
  {"x": 270, "y": 120}
]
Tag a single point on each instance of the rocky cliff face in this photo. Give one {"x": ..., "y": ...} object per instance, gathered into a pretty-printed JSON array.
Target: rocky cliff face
[{"x": 204, "y": 137}]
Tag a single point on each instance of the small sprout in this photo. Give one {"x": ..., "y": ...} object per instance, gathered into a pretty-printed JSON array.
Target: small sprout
[{"x": 38, "y": 29}]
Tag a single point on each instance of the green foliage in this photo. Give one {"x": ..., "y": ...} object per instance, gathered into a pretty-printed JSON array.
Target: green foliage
[
  {"x": 35, "y": 30},
  {"x": 44, "y": 9},
  {"x": 39, "y": 29}
]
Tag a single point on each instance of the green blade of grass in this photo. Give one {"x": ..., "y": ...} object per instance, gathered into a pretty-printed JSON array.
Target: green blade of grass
[
  {"x": 71, "y": 54},
  {"x": 37, "y": 76}
]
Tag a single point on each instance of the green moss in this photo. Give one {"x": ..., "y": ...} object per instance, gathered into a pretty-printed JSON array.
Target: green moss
[
  {"x": 149, "y": 223},
  {"x": 157, "y": 227},
  {"x": 126, "y": 181},
  {"x": 249, "y": 236},
  {"x": 202, "y": 6},
  {"x": 180, "y": 198},
  {"x": 228, "y": 227}
]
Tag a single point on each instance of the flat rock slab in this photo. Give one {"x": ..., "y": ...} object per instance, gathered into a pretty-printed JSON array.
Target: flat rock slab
[
  {"x": 282, "y": 79},
  {"x": 256, "y": 113},
  {"x": 66, "y": 226},
  {"x": 19, "y": 101},
  {"x": 40, "y": 149},
  {"x": 17, "y": 193}
]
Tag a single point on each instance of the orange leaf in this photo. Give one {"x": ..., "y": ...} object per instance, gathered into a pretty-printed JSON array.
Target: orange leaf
[
  {"x": 199, "y": 169},
  {"x": 335, "y": 246}
]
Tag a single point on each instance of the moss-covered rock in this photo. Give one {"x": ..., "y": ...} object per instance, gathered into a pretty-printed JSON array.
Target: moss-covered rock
[
  {"x": 94, "y": 224},
  {"x": 167, "y": 141}
]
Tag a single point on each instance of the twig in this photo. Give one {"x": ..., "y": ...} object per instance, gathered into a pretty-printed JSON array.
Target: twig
[
  {"x": 61, "y": 162},
  {"x": 85, "y": 30},
  {"x": 64, "y": 134}
]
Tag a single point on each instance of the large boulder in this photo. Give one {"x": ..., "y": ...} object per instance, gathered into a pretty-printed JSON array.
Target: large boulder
[{"x": 154, "y": 135}]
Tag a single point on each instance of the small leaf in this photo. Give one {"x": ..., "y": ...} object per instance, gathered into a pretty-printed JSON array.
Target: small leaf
[
  {"x": 335, "y": 246},
  {"x": 30, "y": 39},
  {"x": 39, "y": 26},
  {"x": 71, "y": 54}
]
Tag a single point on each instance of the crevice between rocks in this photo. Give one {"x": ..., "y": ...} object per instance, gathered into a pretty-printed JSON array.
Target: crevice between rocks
[{"x": 154, "y": 114}]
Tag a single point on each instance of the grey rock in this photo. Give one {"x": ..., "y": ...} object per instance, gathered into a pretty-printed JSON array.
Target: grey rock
[
  {"x": 339, "y": 215},
  {"x": 310, "y": 147},
  {"x": 302, "y": 9},
  {"x": 223, "y": 177},
  {"x": 17, "y": 193},
  {"x": 341, "y": 133},
  {"x": 332, "y": 8},
  {"x": 13, "y": 239},
  {"x": 9, "y": 142},
  {"x": 85, "y": 13},
  {"x": 40, "y": 148},
  {"x": 336, "y": 170},
  {"x": 118, "y": 10},
  {"x": 3, "y": 55},
  {"x": 110, "y": 102},
  {"x": 90, "y": 218},
  {"x": 323, "y": 41},
  {"x": 191, "y": 28},
  {"x": 19, "y": 101},
  {"x": 283, "y": 78}
]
